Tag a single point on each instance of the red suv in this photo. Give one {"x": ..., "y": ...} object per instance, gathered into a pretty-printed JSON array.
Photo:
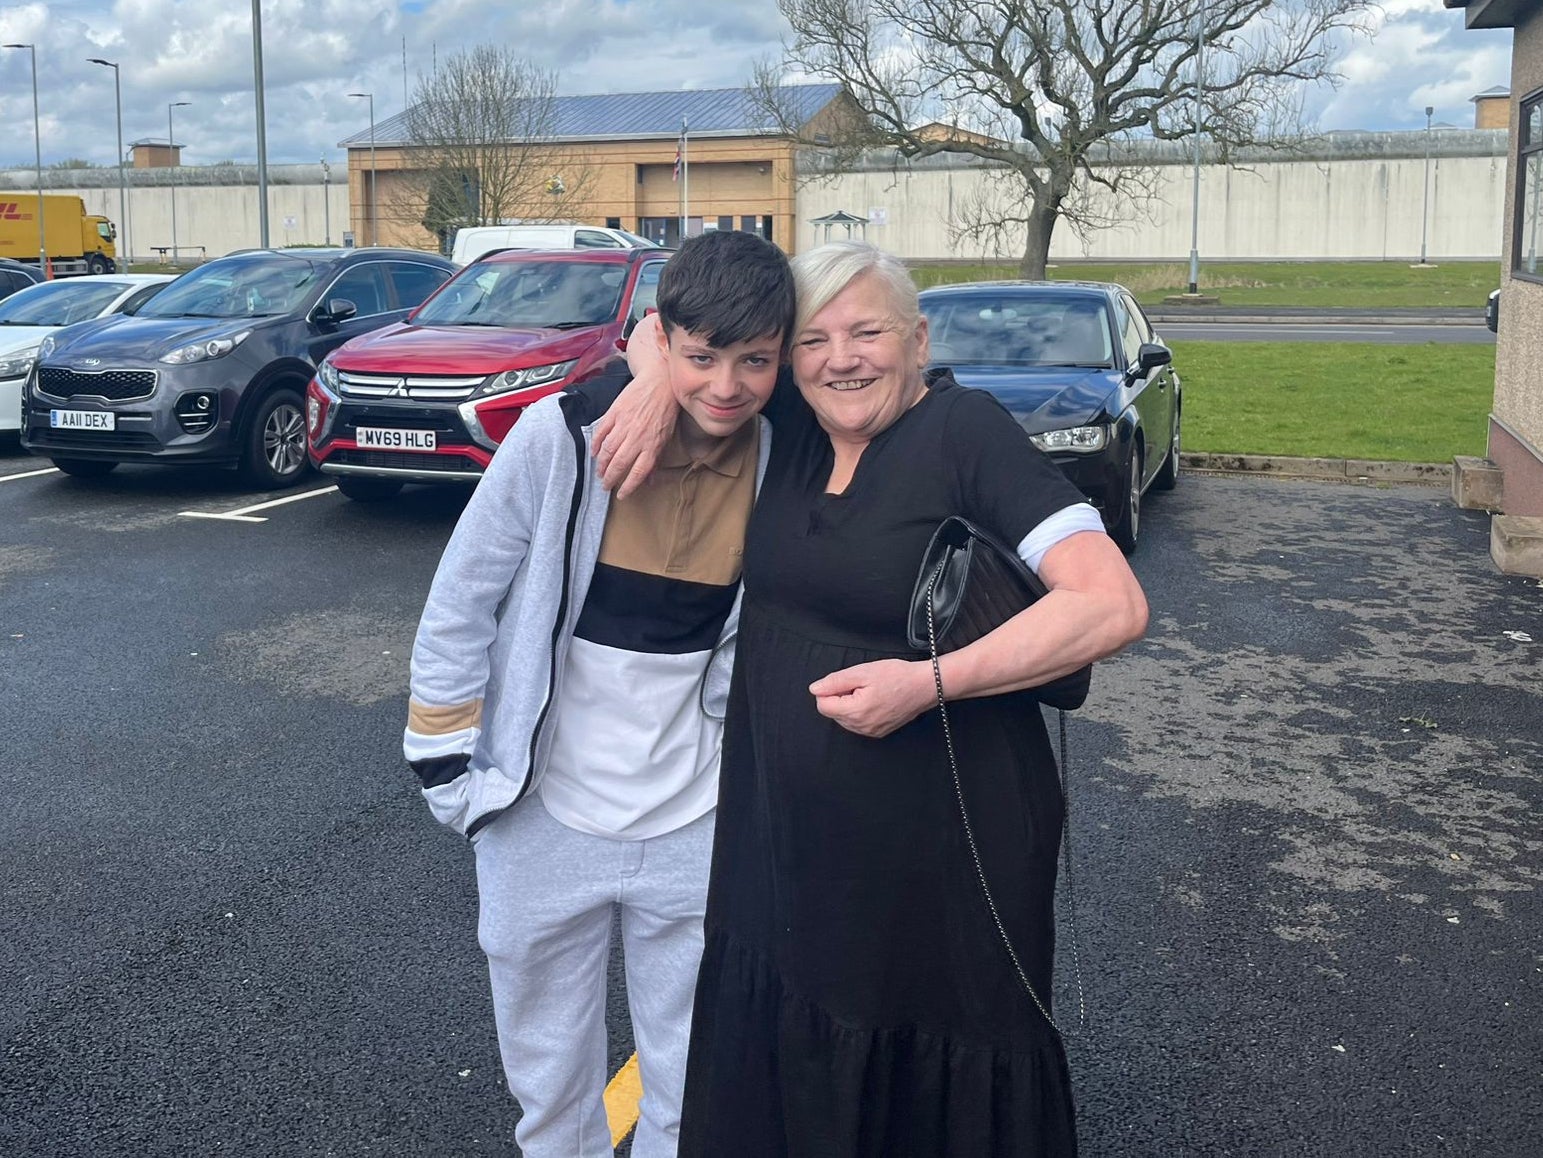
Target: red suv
[{"x": 429, "y": 400}]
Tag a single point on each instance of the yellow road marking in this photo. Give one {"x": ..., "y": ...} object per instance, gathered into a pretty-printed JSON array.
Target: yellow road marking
[{"x": 621, "y": 1100}]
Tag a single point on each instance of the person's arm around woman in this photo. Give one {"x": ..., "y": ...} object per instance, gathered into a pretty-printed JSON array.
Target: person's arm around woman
[{"x": 1094, "y": 608}]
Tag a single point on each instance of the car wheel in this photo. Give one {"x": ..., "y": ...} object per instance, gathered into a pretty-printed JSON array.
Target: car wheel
[
  {"x": 275, "y": 442},
  {"x": 84, "y": 467},
  {"x": 367, "y": 490},
  {"x": 1167, "y": 476},
  {"x": 98, "y": 264},
  {"x": 1126, "y": 527}
]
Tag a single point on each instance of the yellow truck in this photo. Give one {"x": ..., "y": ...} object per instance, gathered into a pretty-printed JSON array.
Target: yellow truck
[{"x": 74, "y": 240}]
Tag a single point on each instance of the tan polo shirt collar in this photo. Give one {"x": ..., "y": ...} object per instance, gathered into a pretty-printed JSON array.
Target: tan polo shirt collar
[{"x": 727, "y": 457}]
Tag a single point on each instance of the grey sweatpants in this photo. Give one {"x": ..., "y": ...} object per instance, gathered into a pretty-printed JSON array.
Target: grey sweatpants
[{"x": 546, "y": 892}]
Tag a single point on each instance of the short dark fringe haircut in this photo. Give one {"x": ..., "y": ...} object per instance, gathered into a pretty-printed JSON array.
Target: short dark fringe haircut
[{"x": 727, "y": 286}]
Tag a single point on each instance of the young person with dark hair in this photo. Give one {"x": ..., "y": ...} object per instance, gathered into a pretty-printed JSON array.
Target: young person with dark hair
[{"x": 568, "y": 685}]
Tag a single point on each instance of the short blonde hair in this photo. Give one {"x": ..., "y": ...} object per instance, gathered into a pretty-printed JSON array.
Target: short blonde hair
[{"x": 823, "y": 272}]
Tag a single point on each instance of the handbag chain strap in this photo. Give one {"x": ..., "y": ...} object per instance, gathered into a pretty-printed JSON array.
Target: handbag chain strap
[{"x": 969, "y": 832}]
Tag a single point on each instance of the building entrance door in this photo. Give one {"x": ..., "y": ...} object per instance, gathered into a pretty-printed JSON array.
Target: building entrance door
[{"x": 665, "y": 231}]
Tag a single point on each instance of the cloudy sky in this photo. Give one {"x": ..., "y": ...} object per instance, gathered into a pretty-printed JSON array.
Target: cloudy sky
[{"x": 318, "y": 51}]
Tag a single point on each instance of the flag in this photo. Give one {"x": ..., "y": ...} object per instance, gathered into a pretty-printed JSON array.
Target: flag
[{"x": 680, "y": 151}]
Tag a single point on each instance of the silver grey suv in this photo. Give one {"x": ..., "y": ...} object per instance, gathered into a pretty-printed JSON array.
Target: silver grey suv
[{"x": 213, "y": 370}]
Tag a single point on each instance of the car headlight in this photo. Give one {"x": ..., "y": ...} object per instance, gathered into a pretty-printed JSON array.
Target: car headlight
[
  {"x": 1077, "y": 439},
  {"x": 46, "y": 347},
  {"x": 19, "y": 364},
  {"x": 327, "y": 375},
  {"x": 527, "y": 379},
  {"x": 203, "y": 351}
]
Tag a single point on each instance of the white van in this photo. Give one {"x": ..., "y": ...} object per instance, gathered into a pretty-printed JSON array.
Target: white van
[{"x": 476, "y": 240}]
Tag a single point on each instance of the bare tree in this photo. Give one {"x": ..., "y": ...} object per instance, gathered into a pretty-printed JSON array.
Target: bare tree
[
  {"x": 482, "y": 148},
  {"x": 1051, "y": 93}
]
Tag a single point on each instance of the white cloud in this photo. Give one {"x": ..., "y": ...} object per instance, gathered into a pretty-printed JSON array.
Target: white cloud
[
  {"x": 1418, "y": 54},
  {"x": 317, "y": 51}
]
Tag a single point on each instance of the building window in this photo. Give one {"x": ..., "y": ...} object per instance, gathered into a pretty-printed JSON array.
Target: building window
[{"x": 1529, "y": 201}]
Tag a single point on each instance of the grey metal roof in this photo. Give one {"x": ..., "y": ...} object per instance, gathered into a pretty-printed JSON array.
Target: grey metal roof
[{"x": 716, "y": 112}]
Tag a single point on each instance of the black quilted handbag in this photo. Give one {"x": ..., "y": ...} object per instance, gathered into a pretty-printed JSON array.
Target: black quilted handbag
[{"x": 974, "y": 583}]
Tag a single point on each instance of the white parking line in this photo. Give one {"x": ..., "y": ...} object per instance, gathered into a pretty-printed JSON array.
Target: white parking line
[
  {"x": 244, "y": 514},
  {"x": 29, "y": 474},
  {"x": 226, "y": 518}
]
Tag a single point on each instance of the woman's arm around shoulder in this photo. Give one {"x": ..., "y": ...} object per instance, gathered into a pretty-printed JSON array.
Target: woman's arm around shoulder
[{"x": 630, "y": 435}]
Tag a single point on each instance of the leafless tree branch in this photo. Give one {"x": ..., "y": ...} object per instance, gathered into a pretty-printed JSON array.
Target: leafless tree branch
[
  {"x": 481, "y": 140},
  {"x": 1042, "y": 88}
]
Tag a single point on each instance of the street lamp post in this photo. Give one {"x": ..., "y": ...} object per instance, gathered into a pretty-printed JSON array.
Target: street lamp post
[
  {"x": 1425, "y": 212},
  {"x": 262, "y": 123},
  {"x": 1194, "y": 220},
  {"x": 171, "y": 157},
  {"x": 326, "y": 200},
  {"x": 123, "y": 185},
  {"x": 369, "y": 96},
  {"x": 37, "y": 144}
]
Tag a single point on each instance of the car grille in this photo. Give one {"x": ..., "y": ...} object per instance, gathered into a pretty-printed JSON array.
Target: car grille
[
  {"x": 420, "y": 387},
  {"x": 398, "y": 460},
  {"x": 115, "y": 385},
  {"x": 94, "y": 439}
]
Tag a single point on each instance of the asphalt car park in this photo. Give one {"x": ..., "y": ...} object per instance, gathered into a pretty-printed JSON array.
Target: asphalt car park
[{"x": 1303, "y": 816}]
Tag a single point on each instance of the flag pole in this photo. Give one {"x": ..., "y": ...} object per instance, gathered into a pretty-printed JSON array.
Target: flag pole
[{"x": 685, "y": 179}]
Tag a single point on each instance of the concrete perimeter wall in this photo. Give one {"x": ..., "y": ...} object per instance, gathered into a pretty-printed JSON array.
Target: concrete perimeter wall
[
  {"x": 1351, "y": 196},
  {"x": 216, "y": 204},
  {"x": 1357, "y": 196}
]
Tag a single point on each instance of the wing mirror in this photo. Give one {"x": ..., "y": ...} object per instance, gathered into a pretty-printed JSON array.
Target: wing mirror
[
  {"x": 1151, "y": 356},
  {"x": 336, "y": 310}
]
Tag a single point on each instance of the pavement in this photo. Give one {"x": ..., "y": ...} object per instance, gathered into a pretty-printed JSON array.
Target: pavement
[
  {"x": 1317, "y": 781},
  {"x": 1304, "y": 817}
]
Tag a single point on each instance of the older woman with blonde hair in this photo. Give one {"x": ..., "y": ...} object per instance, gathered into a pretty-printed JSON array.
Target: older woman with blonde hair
[{"x": 855, "y": 998}]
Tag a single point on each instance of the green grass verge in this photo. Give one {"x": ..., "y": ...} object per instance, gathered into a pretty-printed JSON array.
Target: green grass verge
[
  {"x": 1287, "y": 283},
  {"x": 1418, "y": 403}
]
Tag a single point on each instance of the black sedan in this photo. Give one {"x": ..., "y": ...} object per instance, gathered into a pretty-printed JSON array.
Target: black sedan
[
  {"x": 214, "y": 369},
  {"x": 1077, "y": 363},
  {"x": 16, "y": 275}
]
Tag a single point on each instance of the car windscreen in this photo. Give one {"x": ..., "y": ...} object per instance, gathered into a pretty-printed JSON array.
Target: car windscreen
[
  {"x": 1019, "y": 330},
  {"x": 637, "y": 242},
  {"x": 553, "y": 294},
  {"x": 254, "y": 286},
  {"x": 59, "y": 303}
]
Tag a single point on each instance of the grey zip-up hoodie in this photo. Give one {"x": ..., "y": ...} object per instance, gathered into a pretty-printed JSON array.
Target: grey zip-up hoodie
[{"x": 487, "y": 664}]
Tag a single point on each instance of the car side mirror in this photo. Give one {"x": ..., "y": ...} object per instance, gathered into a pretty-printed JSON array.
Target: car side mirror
[
  {"x": 336, "y": 310},
  {"x": 1151, "y": 356},
  {"x": 1492, "y": 312}
]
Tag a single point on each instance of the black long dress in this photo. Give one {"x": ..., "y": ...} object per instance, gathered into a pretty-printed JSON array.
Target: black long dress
[{"x": 855, "y": 999}]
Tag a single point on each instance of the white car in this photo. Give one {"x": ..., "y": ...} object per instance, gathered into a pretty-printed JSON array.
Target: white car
[
  {"x": 29, "y": 315},
  {"x": 475, "y": 241}
]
